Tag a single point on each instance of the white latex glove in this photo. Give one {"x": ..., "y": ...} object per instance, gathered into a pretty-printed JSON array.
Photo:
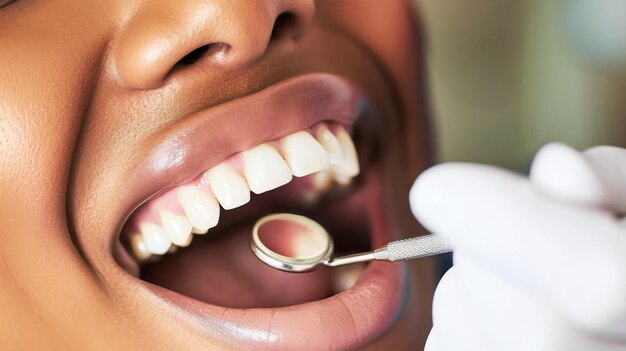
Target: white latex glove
[{"x": 539, "y": 263}]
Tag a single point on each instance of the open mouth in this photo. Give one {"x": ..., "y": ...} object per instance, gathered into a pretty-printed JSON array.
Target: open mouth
[{"x": 308, "y": 146}]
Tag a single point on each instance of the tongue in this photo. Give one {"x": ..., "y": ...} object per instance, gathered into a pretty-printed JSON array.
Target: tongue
[{"x": 224, "y": 272}]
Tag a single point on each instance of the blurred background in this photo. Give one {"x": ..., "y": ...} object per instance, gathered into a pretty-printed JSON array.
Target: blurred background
[{"x": 507, "y": 76}]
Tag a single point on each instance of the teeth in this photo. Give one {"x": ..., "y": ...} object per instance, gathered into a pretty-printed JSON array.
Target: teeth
[
  {"x": 344, "y": 277},
  {"x": 330, "y": 144},
  {"x": 265, "y": 169},
  {"x": 304, "y": 154},
  {"x": 200, "y": 207},
  {"x": 330, "y": 157},
  {"x": 349, "y": 167},
  {"x": 188, "y": 242},
  {"x": 198, "y": 231},
  {"x": 138, "y": 248},
  {"x": 177, "y": 228},
  {"x": 228, "y": 186},
  {"x": 322, "y": 181},
  {"x": 155, "y": 239}
]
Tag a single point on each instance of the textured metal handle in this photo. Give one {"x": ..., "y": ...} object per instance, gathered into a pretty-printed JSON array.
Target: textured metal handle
[{"x": 418, "y": 247}]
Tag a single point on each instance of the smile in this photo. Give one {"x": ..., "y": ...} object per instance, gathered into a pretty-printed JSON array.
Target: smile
[
  {"x": 194, "y": 208},
  {"x": 306, "y": 145}
]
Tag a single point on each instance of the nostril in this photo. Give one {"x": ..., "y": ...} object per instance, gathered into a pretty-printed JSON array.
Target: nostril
[
  {"x": 285, "y": 23},
  {"x": 195, "y": 55}
]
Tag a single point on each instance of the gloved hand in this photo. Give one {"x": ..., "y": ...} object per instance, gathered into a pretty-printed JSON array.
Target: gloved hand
[{"x": 539, "y": 262}]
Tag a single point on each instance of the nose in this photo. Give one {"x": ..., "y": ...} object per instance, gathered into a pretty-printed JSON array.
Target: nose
[{"x": 163, "y": 35}]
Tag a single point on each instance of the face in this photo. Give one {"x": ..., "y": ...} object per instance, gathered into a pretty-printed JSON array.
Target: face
[{"x": 129, "y": 128}]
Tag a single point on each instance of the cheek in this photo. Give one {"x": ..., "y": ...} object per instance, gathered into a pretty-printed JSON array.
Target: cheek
[
  {"x": 391, "y": 31},
  {"x": 47, "y": 70},
  {"x": 42, "y": 107},
  {"x": 387, "y": 28}
]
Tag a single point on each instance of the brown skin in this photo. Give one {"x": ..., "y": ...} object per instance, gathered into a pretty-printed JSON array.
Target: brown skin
[{"x": 80, "y": 96}]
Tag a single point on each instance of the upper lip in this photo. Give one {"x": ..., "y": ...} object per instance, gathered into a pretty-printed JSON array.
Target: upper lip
[{"x": 207, "y": 137}]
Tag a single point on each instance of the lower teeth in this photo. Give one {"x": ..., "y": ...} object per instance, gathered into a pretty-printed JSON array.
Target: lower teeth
[{"x": 344, "y": 277}]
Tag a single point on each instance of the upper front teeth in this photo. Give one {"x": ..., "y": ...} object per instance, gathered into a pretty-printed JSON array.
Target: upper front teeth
[
  {"x": 264, "y": 169},
  {"x": 304, "y": 154},
  {"x": 330, "y": 154}
]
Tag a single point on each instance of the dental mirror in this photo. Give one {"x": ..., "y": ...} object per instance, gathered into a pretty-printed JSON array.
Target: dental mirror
[{"x": 294, "y": 243}]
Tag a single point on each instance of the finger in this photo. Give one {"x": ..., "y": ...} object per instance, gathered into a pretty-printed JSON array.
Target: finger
[
  {"x": 571, "y": 256},
  {"x": 596, "y": 176},
  {"x": 510, "y": 319},
  {"x": 453, "y": 326},
  {"x": 563, "y": 172},
  {"x": 609, "y": 164},
  {"x": 431, "y": 342}
]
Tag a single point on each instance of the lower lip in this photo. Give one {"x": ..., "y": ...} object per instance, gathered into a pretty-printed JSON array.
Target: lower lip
[
  {"x": 344, "y": 321},
  {"x": 347, "y": 320}
]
